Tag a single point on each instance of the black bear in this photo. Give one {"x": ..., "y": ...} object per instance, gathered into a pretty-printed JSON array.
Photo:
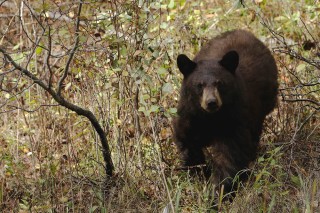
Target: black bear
[{"x": 227, "y": 91}]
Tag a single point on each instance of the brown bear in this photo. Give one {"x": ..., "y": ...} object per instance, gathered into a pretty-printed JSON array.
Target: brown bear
[{"x": 227, "y": 91}]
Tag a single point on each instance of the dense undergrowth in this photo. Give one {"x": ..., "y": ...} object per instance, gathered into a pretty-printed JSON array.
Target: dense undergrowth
[{"x": 125, "y": 72}]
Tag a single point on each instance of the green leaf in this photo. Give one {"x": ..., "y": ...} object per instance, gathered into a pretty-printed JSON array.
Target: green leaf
[
  {"x": 276, "y": 150},
  {"x": 167, "y": 88},
  {"x": 93, "y": 208},
  {"x": 63, "y": 199},
  {"x": 280, "y": 18},
  {"x": 123, "y": 51},
  {"x": 155, "y": 54},
  {"x": 164, "y": 25},
  {"x": 39, "y": 50},
  {"x": 154, "y": 108},
  {"x": 173, "y": 110},
  {"x": 53, "y": 168},
  {"x": 182, "y": 3},
  {"x": 296, "y": 180},
  {"x": 261, "y": 159},
  {"x": 82, "y": 38},
  {"x": 67, "y": 87},
  {"x": 142, "y": 109},
  {"x": 301, "y": 67},
  {"x": 17, "y": 46},
  {"x": 171, "y": 4},
  {"x": 161, "y": 71}
]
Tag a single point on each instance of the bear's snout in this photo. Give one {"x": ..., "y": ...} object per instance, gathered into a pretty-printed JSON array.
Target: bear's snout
[
  {"x": 212, "y": 104},
  {"x": 211, "y": 101}
]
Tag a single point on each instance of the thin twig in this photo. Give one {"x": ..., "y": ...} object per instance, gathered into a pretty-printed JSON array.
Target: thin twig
[
  {"x": 28, "y": 110},
  {"x": 73, "y": 51}
]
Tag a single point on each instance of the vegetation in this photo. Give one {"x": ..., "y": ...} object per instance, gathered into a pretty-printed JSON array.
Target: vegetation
[{"x": 116, "y": 61}]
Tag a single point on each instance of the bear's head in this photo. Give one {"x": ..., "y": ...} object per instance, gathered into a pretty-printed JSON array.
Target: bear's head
[{"x": 209, "y": 85}]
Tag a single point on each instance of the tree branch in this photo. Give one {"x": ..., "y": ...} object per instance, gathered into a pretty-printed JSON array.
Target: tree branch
[
  {"x": 75, "y": 46},
  {"x": 80, "y": 111}
]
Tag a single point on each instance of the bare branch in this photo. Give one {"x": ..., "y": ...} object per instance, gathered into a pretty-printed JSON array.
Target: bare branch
[
  {"x": 294, "y": 54},
  {"x": 288, "y": 50},
  {"x": 303, "y": 100},
  {"x": 25, "y": 71},
  {"x": 28, "y": 110},
  {"x": 309, "y": 84},
  {"x": 7, "y": 72},
  {"x": 48, "y": 14},
  {"x": 80, "y": 111},
  {"x": 73, "y": 51},
  {"x": 48, "y": 57}
]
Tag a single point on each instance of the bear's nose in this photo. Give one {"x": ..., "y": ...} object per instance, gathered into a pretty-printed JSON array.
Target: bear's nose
[{"x": 212, "y": 104}]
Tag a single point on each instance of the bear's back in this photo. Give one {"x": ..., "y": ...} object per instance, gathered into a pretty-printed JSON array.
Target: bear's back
[
  {"x": 257, "y": 69},
  {"x": 252, "y": 53}
]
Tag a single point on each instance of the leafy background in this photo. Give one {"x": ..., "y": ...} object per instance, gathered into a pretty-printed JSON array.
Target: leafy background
[{"x": 125, "y": 72}]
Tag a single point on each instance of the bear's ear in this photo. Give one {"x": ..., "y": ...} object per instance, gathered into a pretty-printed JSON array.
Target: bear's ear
[
  {"x": 230, "y": 61},
  {"x": 185, "y": 65}
]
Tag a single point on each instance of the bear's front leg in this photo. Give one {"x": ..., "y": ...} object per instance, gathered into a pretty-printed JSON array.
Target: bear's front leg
[
  {"x": 194, "y": 158},
  {"x": 190, "y": 148},
  {"x": 228, "y": 163}
]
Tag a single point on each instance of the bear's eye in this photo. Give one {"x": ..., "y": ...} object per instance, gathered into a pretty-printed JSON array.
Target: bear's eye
[
  {"x": 219, "y": 83},
  {"x": 199, "y": 86}
]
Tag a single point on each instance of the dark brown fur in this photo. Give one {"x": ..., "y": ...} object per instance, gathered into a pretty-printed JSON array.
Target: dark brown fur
[{"x": 243, "y": 70}]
